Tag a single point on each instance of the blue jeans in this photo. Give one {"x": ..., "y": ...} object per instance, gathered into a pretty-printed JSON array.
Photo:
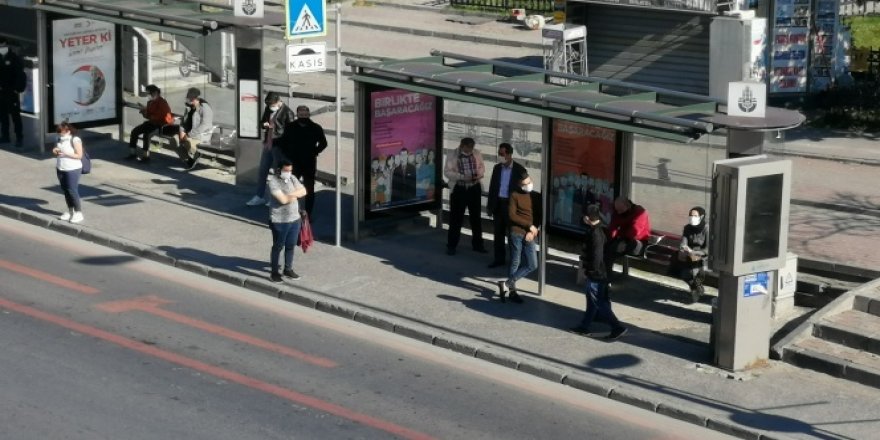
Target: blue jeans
[
  {"x": 269, "y": 158},
  {"x": 520, "y": 250},
  {"x": 284, "y": 236},
  {"x": 69, "y": 181},
  {"x": 599, "y": 305}
]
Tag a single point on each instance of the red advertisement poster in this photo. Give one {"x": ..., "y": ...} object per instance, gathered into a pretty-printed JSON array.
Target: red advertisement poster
[{"x": 583, "y": 170}]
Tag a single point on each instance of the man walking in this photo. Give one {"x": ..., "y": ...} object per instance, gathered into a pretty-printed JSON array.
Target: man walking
[
  {"x": 275, "y": 118},
  {"x": 524, "y": 213},
  {"x": 12, "y": 83},
  {"x": 302, "y": 142},
  {"x": 598, "y": 300},
  {"x": 464, "y": 168},
  {"x": 505, "y": 176}
]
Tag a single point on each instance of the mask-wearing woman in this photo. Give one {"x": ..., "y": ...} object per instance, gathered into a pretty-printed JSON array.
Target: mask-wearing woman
[
  {"x": 68, "y": 166},
  {"x": 693, "y": 250}
]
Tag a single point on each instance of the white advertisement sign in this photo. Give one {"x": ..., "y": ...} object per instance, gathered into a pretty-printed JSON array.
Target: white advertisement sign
[
  {"x": 249, "y": 8},
  {"x": 84, "y": 70},
  {"x": 747, "y": 99},
  {"x": 302, "y": 58},
  {"x": 249, "y": 109}
]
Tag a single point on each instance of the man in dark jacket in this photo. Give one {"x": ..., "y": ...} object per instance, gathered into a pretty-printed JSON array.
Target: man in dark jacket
[
  {"x": 505, "y": 177},
  {"x": 598, "y": 300},
  {"x": 276, "y": 116},
  {"x": 302, "y": 142},
  {"x": 12, "y": 83}
]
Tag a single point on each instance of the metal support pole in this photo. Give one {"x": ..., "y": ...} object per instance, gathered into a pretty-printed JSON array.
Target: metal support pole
[
  {"x": 338, "y": 122},
  {"x": 545, "y": 194},
  {"x": 43, "y": 67}
]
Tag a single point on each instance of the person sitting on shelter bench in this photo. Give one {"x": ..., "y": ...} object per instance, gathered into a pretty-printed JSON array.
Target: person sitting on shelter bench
[
  {"x": 197, "y": 127},
  {"x": 629, "y": 231}
]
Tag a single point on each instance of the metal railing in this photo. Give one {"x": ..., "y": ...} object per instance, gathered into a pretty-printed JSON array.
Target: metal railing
[
  {"x": 546, "y": 6},
  {"x": 505, "y": 5}
]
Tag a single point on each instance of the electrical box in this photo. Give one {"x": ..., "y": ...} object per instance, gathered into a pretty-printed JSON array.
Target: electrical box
[
  {"x": 565, "y": 50},
  {"x": 749, "y": 220}
]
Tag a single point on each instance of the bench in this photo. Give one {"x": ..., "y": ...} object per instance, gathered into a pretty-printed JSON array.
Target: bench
[
  {"x": 217, "y": 147},
  {"x": 659, "y": 249}
]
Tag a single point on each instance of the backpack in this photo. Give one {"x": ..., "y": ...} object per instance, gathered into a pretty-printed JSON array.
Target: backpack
[{"x": 86, "y": 160}]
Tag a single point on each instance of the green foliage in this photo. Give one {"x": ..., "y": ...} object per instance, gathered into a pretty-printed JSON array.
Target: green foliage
[{"x": 865, "y": 31}]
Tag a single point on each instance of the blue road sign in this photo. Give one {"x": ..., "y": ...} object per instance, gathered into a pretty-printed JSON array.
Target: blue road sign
[
  {"x": 756, "y": 284},
  {"x": 306, "y": 18}
]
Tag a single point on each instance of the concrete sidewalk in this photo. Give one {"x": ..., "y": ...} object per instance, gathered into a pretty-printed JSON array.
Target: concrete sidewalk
[{"x": 403, "y": 282}]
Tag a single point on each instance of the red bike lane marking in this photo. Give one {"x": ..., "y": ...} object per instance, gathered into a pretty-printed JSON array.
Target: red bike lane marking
[
  {"x": 221, "y": 373},
  {"x": 49, "y": 278},
  {"x": 153, "y": 305}
]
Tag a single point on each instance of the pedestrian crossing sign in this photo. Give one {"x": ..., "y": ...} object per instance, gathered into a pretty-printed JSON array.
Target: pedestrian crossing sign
[{"x": 306, "y": 18}]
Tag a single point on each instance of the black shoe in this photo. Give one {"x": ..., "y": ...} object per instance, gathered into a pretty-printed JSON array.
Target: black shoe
[
  {"x": 450, "y": 251},
  {"x": 616, "y": 334},
  {"x": 515, "y": 298},
  {"x": 481, "y": 250},
  {"x": 192, "y": 162},
  {"x": 131, "y": 157},
  {"x": 495, "y": 264},
  {"x": 502, "y": 291},
  {"x": 276, "y": 277},
  {"x": 579, "y": 330},
  {"x": 144, "y": 160},
  {"x": 289, "y": 273}
]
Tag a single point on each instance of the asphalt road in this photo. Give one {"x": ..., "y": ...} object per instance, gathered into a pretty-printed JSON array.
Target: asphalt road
[{"x": 98, "y": 344}]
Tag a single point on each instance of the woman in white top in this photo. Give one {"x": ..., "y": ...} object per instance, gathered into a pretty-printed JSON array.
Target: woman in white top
[{"x": 69, "y": 151}]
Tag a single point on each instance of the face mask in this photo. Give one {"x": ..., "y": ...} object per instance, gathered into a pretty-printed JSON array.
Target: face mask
[
  {"x": 274, "y": 108},
  {"x": 285, "y": 175},
  {"x": 528, "y": 188},
  {"x": 64, "y": 137},
  {"x": 4, "y": 50},
  {"x": 695, "y": 220}
]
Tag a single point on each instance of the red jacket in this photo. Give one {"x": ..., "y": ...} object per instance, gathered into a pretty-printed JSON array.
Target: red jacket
[{"x": 633, "y": 224}]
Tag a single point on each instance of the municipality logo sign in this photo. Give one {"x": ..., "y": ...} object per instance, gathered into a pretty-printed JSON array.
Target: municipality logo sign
[
  {"x": 306, "y": 18},
  {"x": 248, "y": 8},
  {"x": 747, "y": 99}
]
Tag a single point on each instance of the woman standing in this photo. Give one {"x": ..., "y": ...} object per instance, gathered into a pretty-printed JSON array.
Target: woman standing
[
  {"x": 68, "y": 166},
  {"x": 284, "y": 218}
]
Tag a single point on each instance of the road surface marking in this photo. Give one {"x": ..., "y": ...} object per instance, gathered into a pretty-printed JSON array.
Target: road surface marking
[
  {"x": 48, "y": 277},
  {"x": 153, "y": 305}
]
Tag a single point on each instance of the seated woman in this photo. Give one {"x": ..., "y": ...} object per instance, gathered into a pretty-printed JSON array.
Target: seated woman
[{"x": 693, "y": 250}]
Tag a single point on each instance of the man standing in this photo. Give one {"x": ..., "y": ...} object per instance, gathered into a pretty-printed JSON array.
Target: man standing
[
  {"x": 403, "y": 182},
  {"x": 302, "y": 142},
  {"x": 276, "y": 116},
  {"x": 598, "y": 300},
  {"x": 464, "y": 168},
  {"x": 284, "y": 219},
  {"x": 12, "y": 83},
  {"x": 524, "y": 211},
  {"x": 505, "y": 175},
  {"x": 157, "y": 113},
  {"x": 197, "y": 127},
  {"x": 629, "y": 231}
]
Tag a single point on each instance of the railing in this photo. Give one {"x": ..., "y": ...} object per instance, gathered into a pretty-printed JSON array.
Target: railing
[{"x": 546, "y": 6}]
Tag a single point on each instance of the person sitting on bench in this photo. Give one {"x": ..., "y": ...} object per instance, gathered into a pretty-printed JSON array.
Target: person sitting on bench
[
  {"x": 197, "y": 127},
  {"x": 629, "y": 231}
]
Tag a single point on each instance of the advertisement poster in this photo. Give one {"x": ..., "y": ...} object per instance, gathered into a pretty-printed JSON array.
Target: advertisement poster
[
  {"x": 790, "y": 46},
  {"x": 84, "y": 70},
  {"x": 403, "y": 148},
  {"x": 582, "y": 172},
  {"x": 757, "y": 63},
  {"x": 824, "y": 42},
  {"x": 249, "y": 109}
]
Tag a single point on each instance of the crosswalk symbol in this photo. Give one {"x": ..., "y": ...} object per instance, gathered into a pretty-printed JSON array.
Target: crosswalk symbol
[{"x": 306, "y": 18}]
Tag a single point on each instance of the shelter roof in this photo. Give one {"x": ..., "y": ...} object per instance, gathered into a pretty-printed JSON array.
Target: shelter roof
[{"x": 601, "y": 102}]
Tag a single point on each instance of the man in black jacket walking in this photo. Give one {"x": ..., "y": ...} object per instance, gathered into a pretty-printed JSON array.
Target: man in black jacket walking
[
  {"x": 12, "y": 83},
  {"x": 302, "y": 142},
  {"x": 505, "y": 177}
]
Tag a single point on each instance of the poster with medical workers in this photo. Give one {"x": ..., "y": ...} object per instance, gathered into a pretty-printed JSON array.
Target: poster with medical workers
[{"x": 83, "y": 70}]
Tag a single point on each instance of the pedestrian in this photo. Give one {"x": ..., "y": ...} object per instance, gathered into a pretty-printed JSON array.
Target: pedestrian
[
  {"x": 157, "y": 113},
  {"x": 629, "y": 231},
  {"x": 598, "y": 298},
  {"x": 68, "y": 167},
  {"x": 524, "y": 215},
  {"x": 13, "y": 82},
  {"x": 505, "y": 176},
  {"x": 284, "y": 218},
  {"x": 302, "y": 142},
  {"x": 197, "y": 128},
  {"x": 465, "y": 169},
  {"x": 275, "y": 117},
  {"x": 689, "y": 262}
]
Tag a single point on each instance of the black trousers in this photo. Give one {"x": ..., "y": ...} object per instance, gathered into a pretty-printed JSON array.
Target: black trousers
[
  {"x": 10, "y": 108},
  {"x": 619, "y": 247},
  {"x": 501, "y": 216},
  {"x": 465, "y": 198},
  {"x": 142, "y": 130},
  {"x": 307, "y": 176}
]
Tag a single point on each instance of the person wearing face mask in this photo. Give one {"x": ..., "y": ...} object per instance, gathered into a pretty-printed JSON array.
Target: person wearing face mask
[
  {"x": 302, "y": 142},
  {"x": 68, "y": 167},
  {"x": 276, "y": 116},
  {"x": 525, "y": 216},
  {"x": 157, "y": 113},
  {"x": 465, "y": 169},
  {"x": 505, "y": 175},
  {"x": 693, "y": 250},
  {"x": 12, "y": 83},
  {"x": 284, "y": 219},
  {"x": 197, "y": 126}
]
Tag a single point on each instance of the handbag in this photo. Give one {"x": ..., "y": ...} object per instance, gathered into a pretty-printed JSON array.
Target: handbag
[
  {"x": 86, "y": 163},
  {"x": 306, "y": 239}
]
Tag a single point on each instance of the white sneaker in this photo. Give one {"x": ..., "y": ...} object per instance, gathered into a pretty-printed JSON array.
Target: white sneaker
[
  {"x": 65, "y": 216},
  {"x": 255, "y": 201},
  {"x": 77, "y": 217}
]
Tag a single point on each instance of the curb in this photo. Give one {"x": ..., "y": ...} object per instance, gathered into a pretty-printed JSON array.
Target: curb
[{"x": 382, "y": 320}]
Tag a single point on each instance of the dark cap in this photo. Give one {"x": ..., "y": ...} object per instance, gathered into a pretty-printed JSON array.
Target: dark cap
[
  {"x": 193, "y": 93},
  {"x": 593, "y": 212},
  {"x": 152, "y": 88},
  {"x": 272, "y": 97}
]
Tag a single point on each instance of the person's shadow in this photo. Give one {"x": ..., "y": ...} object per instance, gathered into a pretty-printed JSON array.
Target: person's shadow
[{"x": 236, "y": 264}]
